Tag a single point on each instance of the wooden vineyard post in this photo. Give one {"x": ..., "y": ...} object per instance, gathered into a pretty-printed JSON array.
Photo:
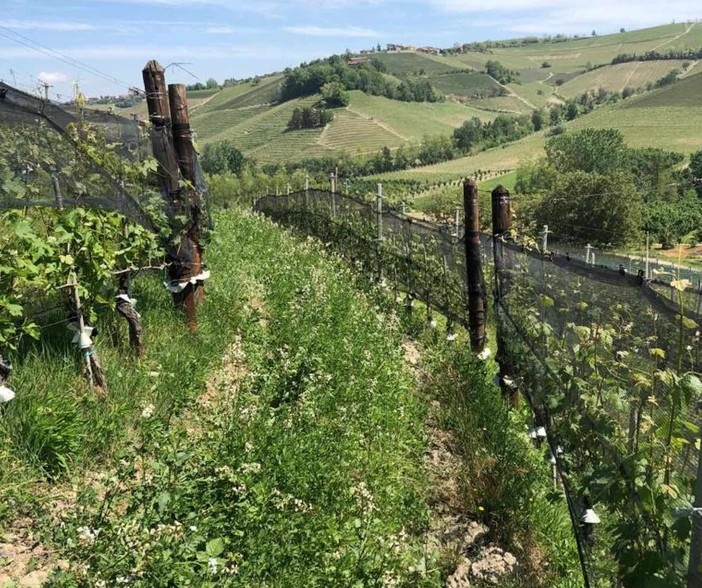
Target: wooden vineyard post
[
  {"x": 474, "y": 270},
  {"x": 185, "y": 150},
  {"x": 85, "y": 343},
  {"x": 125, "y": 307},
  {"x": 501, "y": 226},
  {"x": 694, "y": 575},
  {"x": 178, "y": 255}
]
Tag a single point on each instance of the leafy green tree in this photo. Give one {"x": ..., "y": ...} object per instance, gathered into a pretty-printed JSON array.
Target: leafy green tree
[
  {"x": 695, "y": 169},
  {"x": 334, "y": 95},
  {"x": 222, "y": 157},
  {"x": 571, "y": 111},
  {"x": 469, "y": 134},
  {"x": 589, "y": 150},
  {"x": 499, "y": 72},
  {"x": 670, "y": 222},
  {"x": 538, "y": 119},
  {"x": 604, "y": 209}
]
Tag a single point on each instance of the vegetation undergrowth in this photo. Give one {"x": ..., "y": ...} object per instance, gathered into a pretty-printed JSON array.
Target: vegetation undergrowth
[
  {"x": 298, "y": 465},
  {"x": 505, "y": 482}
]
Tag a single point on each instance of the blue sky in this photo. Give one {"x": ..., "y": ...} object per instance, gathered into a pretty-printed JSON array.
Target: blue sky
[{"x": 241, "y": 38}]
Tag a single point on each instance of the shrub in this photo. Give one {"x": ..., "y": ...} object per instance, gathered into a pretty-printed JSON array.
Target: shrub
[{"x": 222, "y": 157}]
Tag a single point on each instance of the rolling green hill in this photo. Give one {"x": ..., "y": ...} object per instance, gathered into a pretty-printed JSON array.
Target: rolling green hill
[
  {"x": 669, "y": 118},
  {"x": 368, "y": 124},
  {"x": 550, "y": 72}
]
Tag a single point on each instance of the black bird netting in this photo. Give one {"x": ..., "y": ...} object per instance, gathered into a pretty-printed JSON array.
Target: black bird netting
[
  {"x": 605, "y": 358},
  {"x": 52, "y": 157}
]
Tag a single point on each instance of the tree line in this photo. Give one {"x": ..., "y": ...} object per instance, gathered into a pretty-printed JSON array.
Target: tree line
[
  {"x": 367, "y": 76},
  {"x": 673, "y": 54},
  {"x": 591, "y": 187}
]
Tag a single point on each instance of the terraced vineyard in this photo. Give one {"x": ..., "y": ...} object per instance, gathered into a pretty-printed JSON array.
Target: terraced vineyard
[
  {"x": 349, "y": 131},
  {"x": 669, "y": 118},
  {"x": 413, "y": 120},
  {"x": 407, "y": 63},
  {"x": 498, "y": 161},
  {"x": 464, "y": 83},
  {"x": 617, "y": 77}
]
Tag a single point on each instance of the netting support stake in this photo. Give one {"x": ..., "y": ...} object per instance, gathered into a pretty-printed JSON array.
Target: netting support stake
[
  {"x": 185, "y": 150},
  {"x": 57, "y": 191},
  {"x": 694, "y": 575},
  {"x": 474, "y": 268},
  {"x": 501, "y": 226}
]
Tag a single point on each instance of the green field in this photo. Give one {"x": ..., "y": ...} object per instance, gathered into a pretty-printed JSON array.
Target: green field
[
  {"x": 669, "y": 118},
  {"x": 414, "y": 120},
  {"x": 410, "y": 63},
  {"x": 617, "y": 77},
  {"x": 464, "y": 83}
]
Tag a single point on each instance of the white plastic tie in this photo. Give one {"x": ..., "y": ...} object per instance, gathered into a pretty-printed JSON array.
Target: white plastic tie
[
  {"x": 178, "y": 288},
  {"x": 485, "y": 354},
  {"x": 83, "y": 338},
  {"x": 5, "y": 394},
  {"x": 590, "y": 517},
  {"x": 127, "y": 299}
]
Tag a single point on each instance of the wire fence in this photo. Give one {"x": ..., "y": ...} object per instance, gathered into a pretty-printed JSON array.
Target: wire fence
[{"x": 604, "y": 357}]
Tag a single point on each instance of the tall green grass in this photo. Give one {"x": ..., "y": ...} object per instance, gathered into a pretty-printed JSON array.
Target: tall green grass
[{"x": 299, "y": 465}]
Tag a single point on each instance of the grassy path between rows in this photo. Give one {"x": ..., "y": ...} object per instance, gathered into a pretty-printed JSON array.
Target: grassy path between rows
[
  {"x": 285, "y": 445},
  {"x": 294, "y": 462}
]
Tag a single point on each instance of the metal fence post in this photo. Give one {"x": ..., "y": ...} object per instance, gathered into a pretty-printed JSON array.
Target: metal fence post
[
  {"x": 307, "y": 193},
  {"x": 57, "y": 191},
  {"x": 332, "y": 182},
  {"x": 379, "y": 212}
]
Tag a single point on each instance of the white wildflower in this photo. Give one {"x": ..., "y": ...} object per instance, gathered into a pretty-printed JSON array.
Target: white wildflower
[
  {"x": 250, "y": 467},
  {"x": 87, "y": 536},
  {"x": 212, "y": 564},
  {"x": 148, "y": 411},
  {"x": 451, "y": 337}
]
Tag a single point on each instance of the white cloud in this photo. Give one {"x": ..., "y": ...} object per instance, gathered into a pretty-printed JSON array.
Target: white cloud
[
  {"x": 575, "y": 16},
  {"x": 347, "y": 32},
  {"x": 52, "y": 77},
  {"x": 46, "y": 25}
]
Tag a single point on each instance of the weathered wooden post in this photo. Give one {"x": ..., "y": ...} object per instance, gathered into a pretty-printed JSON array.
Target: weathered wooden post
[
  {"x": 474, "y": 270},
  {"x": 501, "y": 226},
  {"x": 694, "y": 575},
  {"x": 185, "y": 150},
  {"x": 178, "y": 257},
  {"x": 125, "y": 307}
]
